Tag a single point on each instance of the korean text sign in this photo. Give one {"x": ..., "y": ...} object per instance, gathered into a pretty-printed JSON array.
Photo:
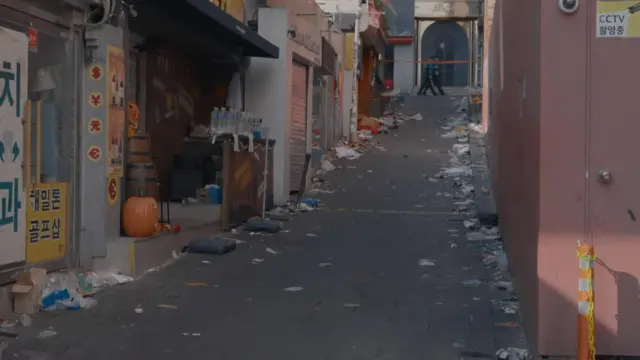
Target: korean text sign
[
  {"x": 46, "y": 222},
  {"x": 618, "y": 19},
  {"x": 13, "y": 96}
]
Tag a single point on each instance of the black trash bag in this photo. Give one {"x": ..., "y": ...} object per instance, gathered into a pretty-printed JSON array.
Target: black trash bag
[
  {"x": 259, "y": 225},
  {"x": 211, "y": 245}
]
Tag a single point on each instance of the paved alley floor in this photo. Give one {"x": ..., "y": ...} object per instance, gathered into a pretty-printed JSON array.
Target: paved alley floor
[{"x": 381, "y": 272}]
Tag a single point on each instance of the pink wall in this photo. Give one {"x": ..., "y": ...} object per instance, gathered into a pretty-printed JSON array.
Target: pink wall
[
  {"x": 562, "y": 176},
  {"x": 514, "y": 127},
  {"x": 551, "y": 122}
]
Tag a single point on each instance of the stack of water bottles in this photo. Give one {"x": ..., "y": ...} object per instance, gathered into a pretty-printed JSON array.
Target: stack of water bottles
[{"x": 234, "y": 122}]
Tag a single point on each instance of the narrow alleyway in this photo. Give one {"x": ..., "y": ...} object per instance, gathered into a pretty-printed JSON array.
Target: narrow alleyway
[{"x": 383, "y": 268}]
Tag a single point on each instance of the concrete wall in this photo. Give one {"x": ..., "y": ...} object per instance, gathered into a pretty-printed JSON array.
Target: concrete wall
[
  {"x": 268, "y": 88},
  {"x": 99, "y": 221},
  {"x": 404, "y": 68},
  {"x": 334, "y": 6}
]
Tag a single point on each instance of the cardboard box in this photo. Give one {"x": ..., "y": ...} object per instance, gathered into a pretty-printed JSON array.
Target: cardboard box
[{"x": 27, "y": 291}]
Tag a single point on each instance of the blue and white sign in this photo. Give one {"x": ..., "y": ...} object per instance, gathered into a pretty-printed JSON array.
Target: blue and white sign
[{"x": 13, "y": 97}]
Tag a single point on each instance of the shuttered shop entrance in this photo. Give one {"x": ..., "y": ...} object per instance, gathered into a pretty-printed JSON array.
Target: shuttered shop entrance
[{"x": 298, "y": 123}]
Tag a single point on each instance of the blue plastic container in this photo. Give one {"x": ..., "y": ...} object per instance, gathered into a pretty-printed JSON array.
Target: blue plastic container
[{"x": 215, "y": 194}]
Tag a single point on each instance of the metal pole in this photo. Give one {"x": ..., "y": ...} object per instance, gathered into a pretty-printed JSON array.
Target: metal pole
[
  {"x": 586, "y": 319},
  {"x": 356, "y": 60},
  {"x": 265, "y": 172}
]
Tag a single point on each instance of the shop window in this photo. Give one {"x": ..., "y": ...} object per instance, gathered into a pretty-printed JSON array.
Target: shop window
[{"x": 49, "y": 133}]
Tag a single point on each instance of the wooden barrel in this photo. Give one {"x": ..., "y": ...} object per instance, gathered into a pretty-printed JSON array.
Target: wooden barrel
[
  {"x": 142, "y": 180},
  {"x": 139, "y": 149}
]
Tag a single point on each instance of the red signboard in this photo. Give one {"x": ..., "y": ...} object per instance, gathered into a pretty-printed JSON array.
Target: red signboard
[{"x": 32, "y": 34}]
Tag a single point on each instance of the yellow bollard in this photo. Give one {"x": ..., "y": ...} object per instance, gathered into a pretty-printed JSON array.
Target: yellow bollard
[{"x": 586, "y": 317}]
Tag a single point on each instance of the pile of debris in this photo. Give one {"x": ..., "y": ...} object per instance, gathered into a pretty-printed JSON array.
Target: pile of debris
[{"x": 481, "y": 233}]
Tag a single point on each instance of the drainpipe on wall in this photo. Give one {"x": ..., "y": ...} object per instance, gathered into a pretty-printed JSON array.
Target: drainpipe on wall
[{"x": 353, "y": 127}]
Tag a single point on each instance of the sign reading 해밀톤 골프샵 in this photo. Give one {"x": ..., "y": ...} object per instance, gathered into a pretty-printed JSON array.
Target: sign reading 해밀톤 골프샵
[
  {"x": 13, "y": 96},
  {"x": 46, "y": 222},
  {"x": 618, "y": 19}
]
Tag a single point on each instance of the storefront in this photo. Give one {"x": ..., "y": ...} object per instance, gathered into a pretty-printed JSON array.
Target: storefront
[
  {"x": 281, "y": 90},
  {"x": 38, "y": 157},
  {"x": 371, "y": 77},
  {"x": 150, "y": 92}
]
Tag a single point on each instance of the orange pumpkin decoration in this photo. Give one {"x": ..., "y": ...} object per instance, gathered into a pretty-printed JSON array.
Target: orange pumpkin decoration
[{"x": 140, "y": 216}]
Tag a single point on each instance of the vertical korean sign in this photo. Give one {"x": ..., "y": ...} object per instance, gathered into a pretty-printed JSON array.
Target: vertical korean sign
[
  {"x": 115, "y": 110},
  {"x": 618, "y": 19},
  {"x": 47, "y": 222},
  {"x": 13, "y": 95}
]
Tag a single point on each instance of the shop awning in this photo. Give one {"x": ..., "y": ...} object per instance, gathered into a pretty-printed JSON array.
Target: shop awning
[
  {"x": 224, "y": 25},
  {"x": 200, "y": 19}
]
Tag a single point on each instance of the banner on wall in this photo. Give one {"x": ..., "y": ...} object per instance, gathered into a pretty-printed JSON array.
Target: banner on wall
[
  {"x": 618, "y": 19},
  {"x": 13, "y": 96},
  {"x": 47, "y": 222},
  {"x": 115, "y": 110}
]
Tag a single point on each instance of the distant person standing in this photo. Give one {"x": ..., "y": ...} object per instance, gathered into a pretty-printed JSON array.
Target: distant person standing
[
  {"x": 427, "y": 82},
  {"x": 436, "y": 83}
]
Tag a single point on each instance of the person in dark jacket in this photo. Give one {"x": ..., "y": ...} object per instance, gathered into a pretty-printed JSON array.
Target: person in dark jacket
[
  {"x": 436, "y": 83},
  {"x": 427, "y": 83}
]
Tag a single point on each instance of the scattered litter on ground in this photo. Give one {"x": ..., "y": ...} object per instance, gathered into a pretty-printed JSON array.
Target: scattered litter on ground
[
  {"x": 196, "y": 284},
  {"x": 195, "y": 334},
  {"x": 327, "y": 166},
  {"x": 205, "y": 262},
  {"x": 312, "y": 235},
  {"x": 417, "y": 117},
  {"x": 293, "y": 289},
  {"x": 509, "y": 324},
  {"x": 472, "y": 282},
  {"x": 344, "y": 152},
  {"x": 503, "y": 285},
  {"x": 25, "y": 320},
  {"x": 481, "y": 236},
  {"x": 426, "y": 262},
  {"x": 167, "y": 306},
  {"x": 314, "y": 203},
  {"x": 495, "y": 258},
  {"x": 62, "y": 291},
  {"x": 138, "y": 309},
  {"x": 325, "y": 264},
  {"x": 271, "y": 251},
  {"x": 513, "y": 354},
  {"x": 304, "y": 207},
  {"x": 470, "y": 223},
  {"x": 351, "y": 305},
  {"x": 458, "y": 345},
  {"x": 46, "y": 334},
  {"x": 257, "y": 261}
]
